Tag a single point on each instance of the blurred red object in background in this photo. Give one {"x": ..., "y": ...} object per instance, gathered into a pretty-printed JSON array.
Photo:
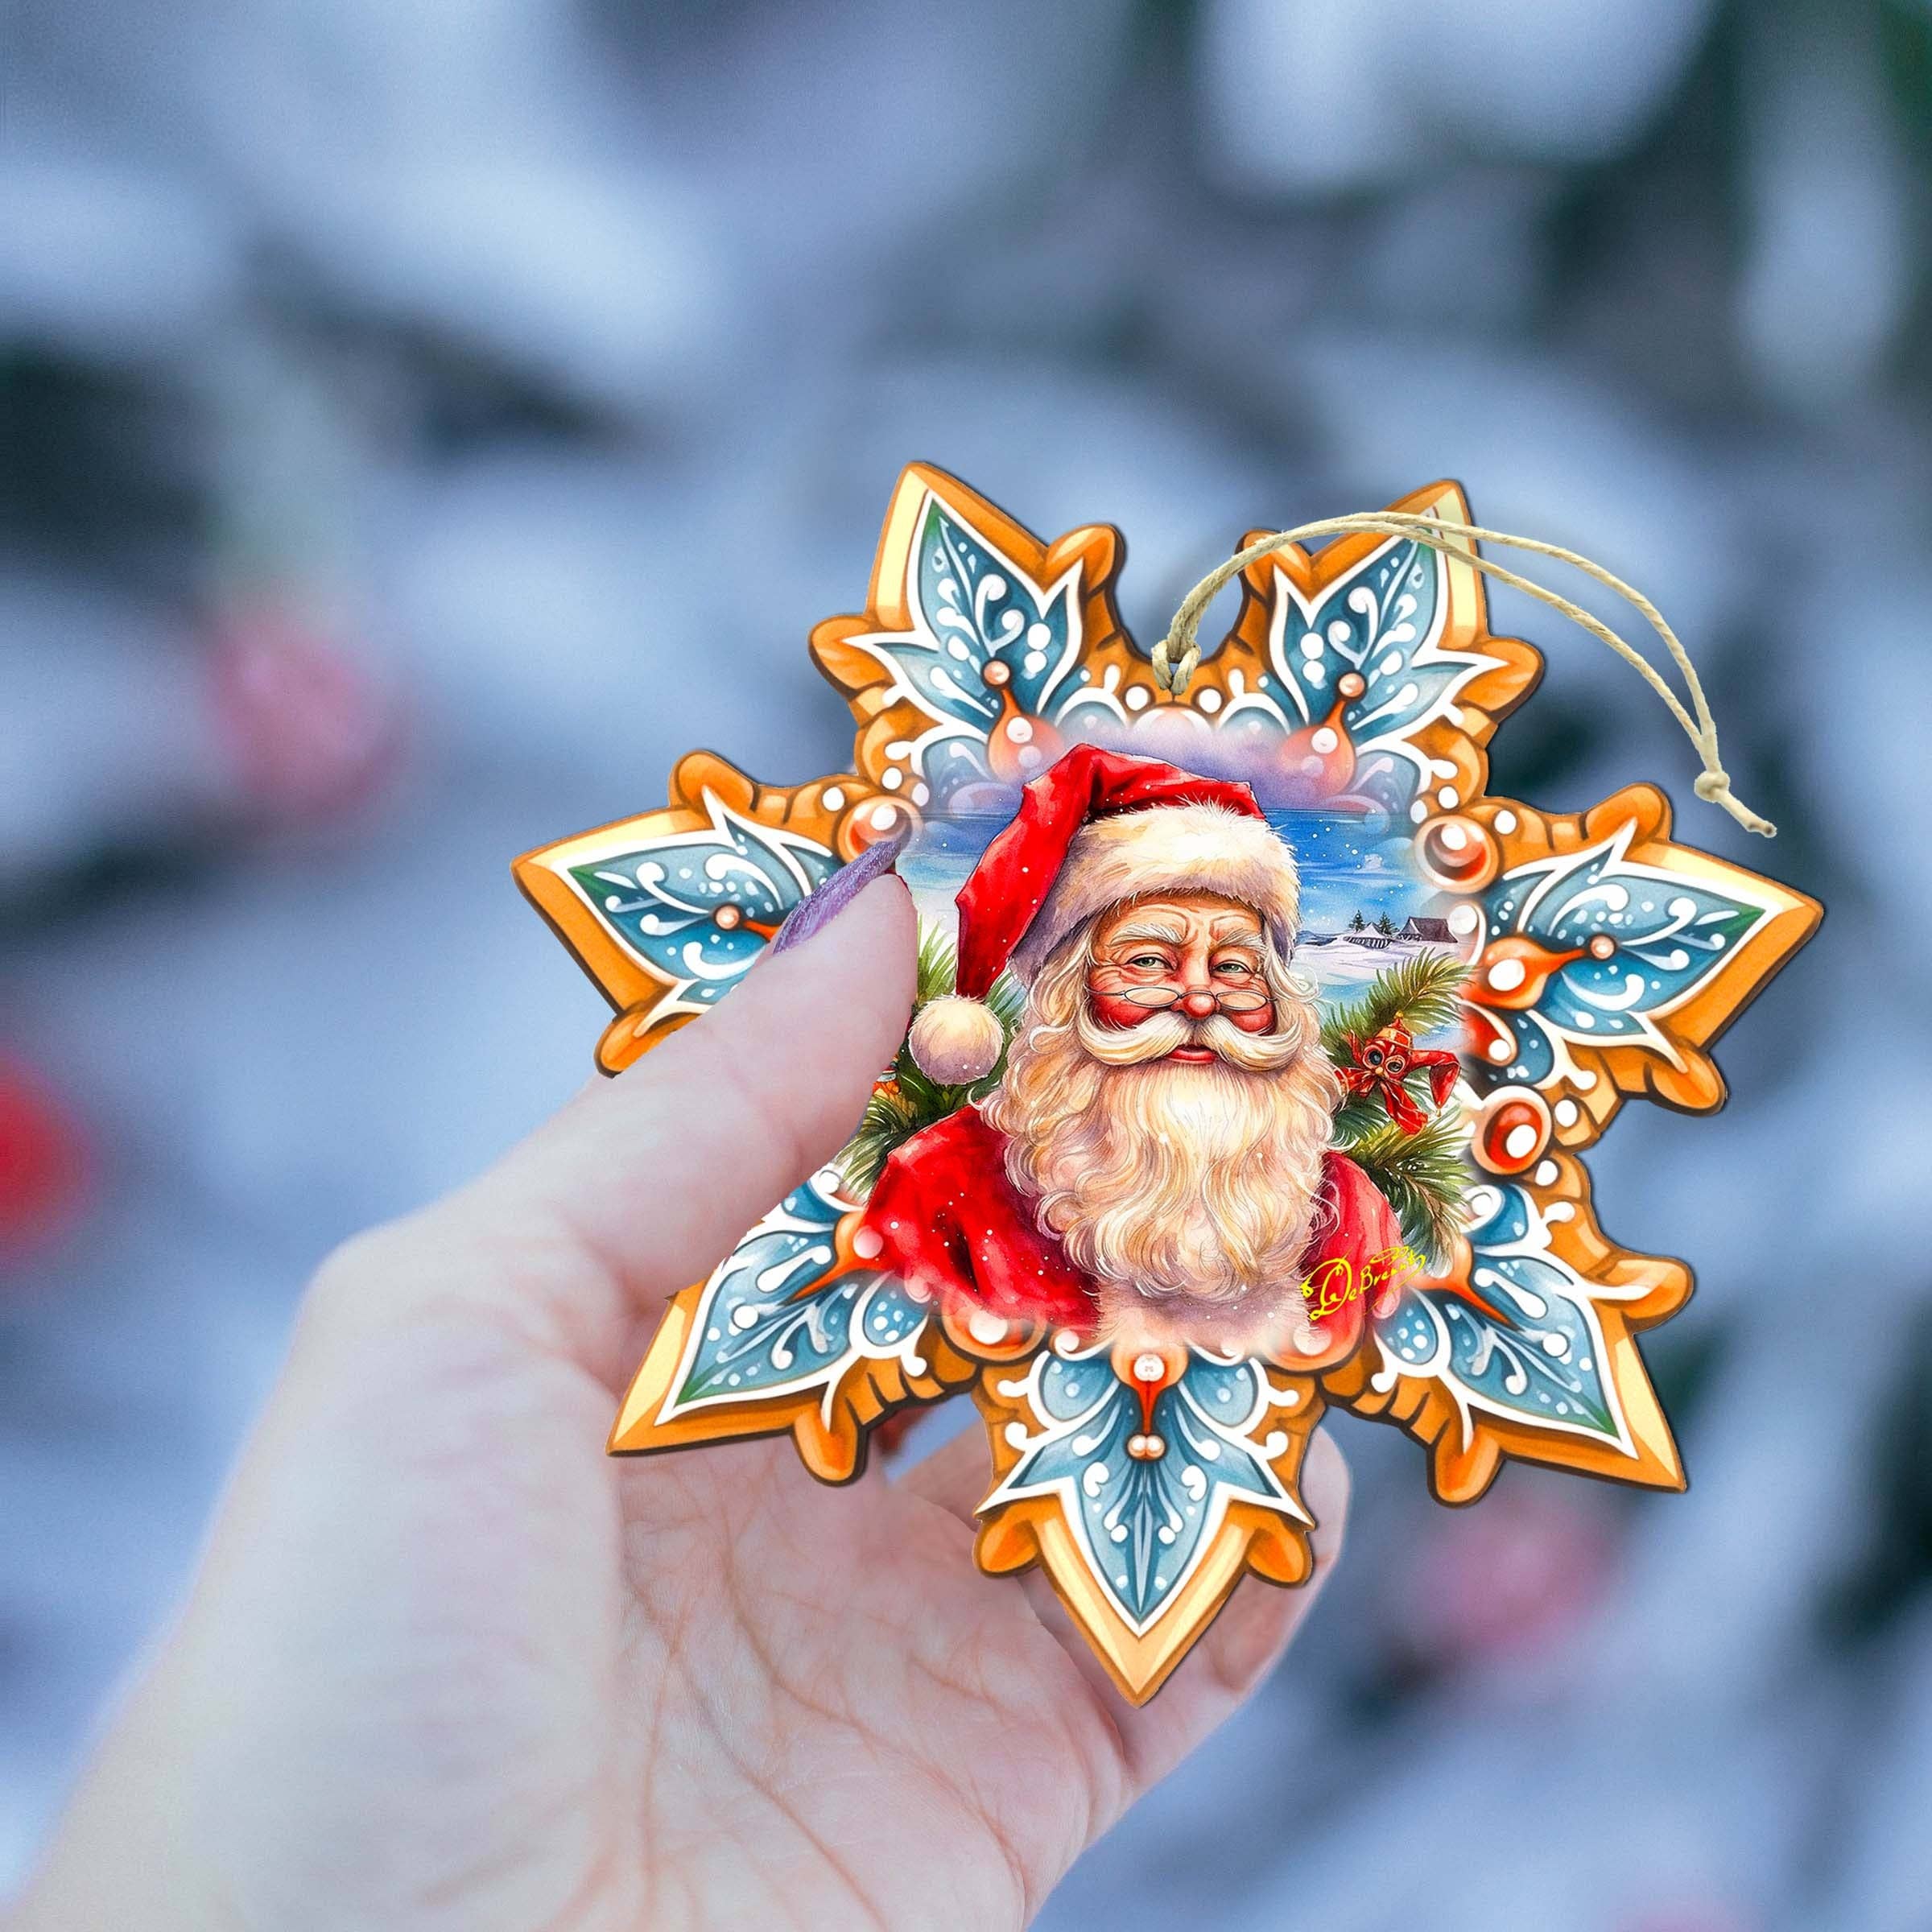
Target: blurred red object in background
[
  {"x": 1508, "y": 1581},
  {"x": 311, "y": 733},
  {"x": 43, "y": 1165}
]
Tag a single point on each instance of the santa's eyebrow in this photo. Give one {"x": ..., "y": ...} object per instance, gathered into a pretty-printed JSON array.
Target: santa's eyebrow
[
  {"x": 1246, "y": 926},
  {"x": 1148, "y": 929}
]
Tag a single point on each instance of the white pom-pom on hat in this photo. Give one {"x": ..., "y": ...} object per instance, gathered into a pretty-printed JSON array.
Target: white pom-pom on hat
[{"x": 956, "y": 1041}]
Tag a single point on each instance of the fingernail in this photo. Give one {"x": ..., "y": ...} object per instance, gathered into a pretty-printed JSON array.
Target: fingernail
[{"x": 816, "y": 910}]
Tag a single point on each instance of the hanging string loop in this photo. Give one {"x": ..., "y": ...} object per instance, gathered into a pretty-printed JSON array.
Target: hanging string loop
[{"x": 1177, "y": 656}]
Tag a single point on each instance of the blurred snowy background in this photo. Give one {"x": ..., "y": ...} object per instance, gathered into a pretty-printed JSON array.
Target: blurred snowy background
[{"x": 426, "y": 420}]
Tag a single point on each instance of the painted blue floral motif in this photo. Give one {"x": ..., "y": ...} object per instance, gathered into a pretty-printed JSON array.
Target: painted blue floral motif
[
  {"x": 773, "y": 1319},
  {"x": 1529, "y": 1347},
  {"x": 1383, "y": 621},
  {"x": 697, "y": 907},
  {"x": 1668, "y": 934},
  {"x": 973, "y": 609},
  {"x": 1143, "y": 1523}
]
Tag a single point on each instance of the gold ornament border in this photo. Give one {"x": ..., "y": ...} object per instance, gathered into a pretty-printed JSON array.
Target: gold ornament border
[
  {"x": 1465, "y": 1456},
  {"x": 1481, "y": 705},
  {"x": 1097, "y": 551},
  {"x": 834, "y": 811},
  {"x": 1621, "y": 1071},
  {"x": 846, "y": 810},
  {"x": 1251, "y": 1538},
  {"x": 828, "y": 1426}
]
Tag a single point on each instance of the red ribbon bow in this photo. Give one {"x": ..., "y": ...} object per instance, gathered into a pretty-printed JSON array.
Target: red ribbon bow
[{"x": 1383, "y": 1063}]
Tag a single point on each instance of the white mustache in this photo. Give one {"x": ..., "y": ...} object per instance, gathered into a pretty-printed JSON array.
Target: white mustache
[{"x": 1157, "y": 1035}]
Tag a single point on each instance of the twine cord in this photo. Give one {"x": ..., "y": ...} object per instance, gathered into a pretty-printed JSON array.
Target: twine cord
[{"x": 1177, "y": 655}]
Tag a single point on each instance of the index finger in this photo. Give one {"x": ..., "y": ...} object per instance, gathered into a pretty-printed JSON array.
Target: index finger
[
  {"x": 643, "y": 1184},
  {"x": 660, "y": 1171}
]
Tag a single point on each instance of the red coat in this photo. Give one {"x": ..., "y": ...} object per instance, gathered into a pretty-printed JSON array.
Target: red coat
[{"x": 951, "y": 1223}]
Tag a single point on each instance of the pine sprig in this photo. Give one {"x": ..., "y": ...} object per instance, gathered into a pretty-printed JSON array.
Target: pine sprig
[
  {"x": 1360, "y": 1114},
  {"x": 1422, "y": 1175},
  {"x": 939, "y": 968},
  {"x": 1424, "y": 993},
  {"x": 890, "y": 1117}
]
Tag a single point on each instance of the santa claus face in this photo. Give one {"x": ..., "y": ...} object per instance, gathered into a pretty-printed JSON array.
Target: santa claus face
[
  {"x": 1190, "y": 954},
  {"x": 1167, "y": 1104}
]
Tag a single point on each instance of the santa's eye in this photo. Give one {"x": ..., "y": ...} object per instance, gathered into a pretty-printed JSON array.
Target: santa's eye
[
  {"x": 1235, "y": 968},
  {"x": 1153, "y": 962}
]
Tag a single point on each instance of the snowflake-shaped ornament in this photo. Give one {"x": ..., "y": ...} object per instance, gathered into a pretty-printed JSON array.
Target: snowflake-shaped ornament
[{"x": 1358, "y": 687}]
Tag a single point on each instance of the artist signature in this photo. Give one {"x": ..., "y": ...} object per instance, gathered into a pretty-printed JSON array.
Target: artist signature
[{"x": 1336, "y": 1282}]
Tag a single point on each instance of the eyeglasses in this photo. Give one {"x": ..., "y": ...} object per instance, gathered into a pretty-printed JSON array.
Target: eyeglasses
[{"x": 1157, "y": 999}]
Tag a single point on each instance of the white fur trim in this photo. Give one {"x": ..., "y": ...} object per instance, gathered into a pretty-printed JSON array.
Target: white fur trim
[{"x": 1133, "y": 855}]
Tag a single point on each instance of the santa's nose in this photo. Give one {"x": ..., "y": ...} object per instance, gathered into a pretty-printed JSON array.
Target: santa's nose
[{"x": 1198, "y": 1003}]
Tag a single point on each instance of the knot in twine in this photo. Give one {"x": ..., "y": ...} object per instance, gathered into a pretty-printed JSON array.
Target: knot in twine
[{"x": 1177, "y": 656}]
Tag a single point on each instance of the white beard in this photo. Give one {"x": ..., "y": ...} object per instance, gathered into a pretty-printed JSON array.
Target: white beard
[{"x": 1191, "y": 1190}]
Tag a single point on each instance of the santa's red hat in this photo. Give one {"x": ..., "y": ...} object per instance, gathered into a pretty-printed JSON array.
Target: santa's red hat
[{"x": 1094, "y": 829}]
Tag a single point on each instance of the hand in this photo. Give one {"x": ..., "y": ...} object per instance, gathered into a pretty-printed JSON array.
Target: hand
[{"x": 446, "y": 1665}]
